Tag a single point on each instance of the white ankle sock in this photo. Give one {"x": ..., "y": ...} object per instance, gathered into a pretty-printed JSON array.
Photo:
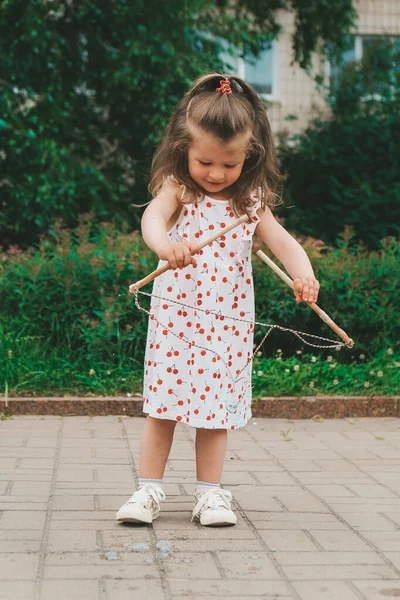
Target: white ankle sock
[
  {"x": 204, "y": 486},
  {"x": 143, "y": 482}
]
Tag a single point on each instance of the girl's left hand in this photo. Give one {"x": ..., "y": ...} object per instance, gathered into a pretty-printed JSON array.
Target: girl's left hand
[{"x": 306, "y": 289}]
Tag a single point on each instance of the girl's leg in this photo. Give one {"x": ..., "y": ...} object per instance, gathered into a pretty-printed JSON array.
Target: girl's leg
[
  {"x": 155, "y": 446},
  {"x": 210, "y": 454},
  {"x": 212, "y": 504}
]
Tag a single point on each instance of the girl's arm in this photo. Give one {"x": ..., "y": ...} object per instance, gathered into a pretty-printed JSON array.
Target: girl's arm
[
  {"x": 290, "y": 253},
  {"x": 154, "y": 227}
]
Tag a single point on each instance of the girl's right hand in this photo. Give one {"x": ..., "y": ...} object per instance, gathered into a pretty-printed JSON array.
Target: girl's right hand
[{"x": 178, "y": 254}]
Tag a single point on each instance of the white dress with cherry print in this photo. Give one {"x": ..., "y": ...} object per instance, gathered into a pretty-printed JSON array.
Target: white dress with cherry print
[{"x": 200, "y": 375}]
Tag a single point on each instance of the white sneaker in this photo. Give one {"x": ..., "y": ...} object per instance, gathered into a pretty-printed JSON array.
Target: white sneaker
[
  {"x": 143, "y": 506},
  {"x": 214, "y": 508}
]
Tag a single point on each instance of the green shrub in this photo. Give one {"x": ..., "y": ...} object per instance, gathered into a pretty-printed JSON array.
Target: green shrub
[
  {"x": 67, "y": 318},
  {"x": 345, "y": 171}
]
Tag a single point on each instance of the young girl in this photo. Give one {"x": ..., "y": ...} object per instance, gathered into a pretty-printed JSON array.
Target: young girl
[{"x": 215, "y": 163}]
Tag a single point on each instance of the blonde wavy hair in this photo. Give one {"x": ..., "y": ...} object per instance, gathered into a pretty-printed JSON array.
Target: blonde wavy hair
[{"x": 224, "y": 116}]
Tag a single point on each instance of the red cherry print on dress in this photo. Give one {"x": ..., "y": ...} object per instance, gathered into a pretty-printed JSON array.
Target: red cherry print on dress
[{"x": 186, "y": 368}]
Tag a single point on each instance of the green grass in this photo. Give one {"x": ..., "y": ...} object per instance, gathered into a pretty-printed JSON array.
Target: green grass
[
  {"x": 308, "y": 375},
  {"x": 34, "y": 369}
]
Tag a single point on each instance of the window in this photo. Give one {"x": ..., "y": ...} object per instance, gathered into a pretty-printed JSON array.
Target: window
[
  {"x": 261, "y": 72},
  {"x": 371, "y": 52}
]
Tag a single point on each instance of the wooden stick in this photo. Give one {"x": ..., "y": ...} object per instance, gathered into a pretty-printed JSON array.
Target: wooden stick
[
  {"x": 348, "y": 341},
  {"x": 161, "y": 270}
]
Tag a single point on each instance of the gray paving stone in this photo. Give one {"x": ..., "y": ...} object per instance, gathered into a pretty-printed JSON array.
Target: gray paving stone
[
  {"x": 23, "y": 503},
  {"x": 145, "y": 589},
  {"x": 24, "y": 534},
  {"x": 18, "y": 565},
  {"x": 20, "y": 520},
  {"x": 190, "y": 565},
  {"x": 3, "y": 487},
  {"x": 386, "y": 541},
  {"x": 328, "y": 558},
  {"x": 93, "y": 565},
  {"x": 369, "y": 522},
  {"x": 69, "y": 590},
  {"x": 394, "y": 557},
  {"x": 72, "y": 541},
  {"x": 227, "y": 588},
  {"x": 248, "y": 565},
  {"x": 340, "y": 572},
  {"x": 32, "y": 488},
  {"x": 318, "y": 516},
  {"x": 17, "y": 590},
  {"x": 61, "y": 503},
  {"x": 218, "y": 545},
  {"x": 293, "y": 539},
  {"x": 262, "y": 500},
  {"x": 7, "y": 463},
  {"x": 327, "y": 590},
  {"x": 339, "y": 540},
  {"x": 19, "y": 546},
  {"x": 379, "y": 590}
]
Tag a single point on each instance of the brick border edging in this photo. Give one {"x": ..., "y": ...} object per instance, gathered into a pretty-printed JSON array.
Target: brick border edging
[{"x": 291, "y": 407}]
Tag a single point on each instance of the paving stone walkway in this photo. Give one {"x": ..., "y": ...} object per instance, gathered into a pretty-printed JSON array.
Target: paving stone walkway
[{"x": 318, "y": 504}]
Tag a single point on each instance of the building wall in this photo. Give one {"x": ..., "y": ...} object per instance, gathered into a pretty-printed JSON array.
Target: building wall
[{"x": 297, "y": 92}]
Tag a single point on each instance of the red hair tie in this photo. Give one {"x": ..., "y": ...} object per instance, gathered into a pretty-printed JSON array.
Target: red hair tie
[{"x": 225, "y": 87}]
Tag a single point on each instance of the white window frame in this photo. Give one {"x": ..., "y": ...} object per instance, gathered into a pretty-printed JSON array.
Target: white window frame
[
  {"x": 274, "y": 95},
  {"x": 358, "y": 55}
]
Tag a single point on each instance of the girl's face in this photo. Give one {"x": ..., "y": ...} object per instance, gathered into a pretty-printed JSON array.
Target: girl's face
[{"x": 216, "y": 165}]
